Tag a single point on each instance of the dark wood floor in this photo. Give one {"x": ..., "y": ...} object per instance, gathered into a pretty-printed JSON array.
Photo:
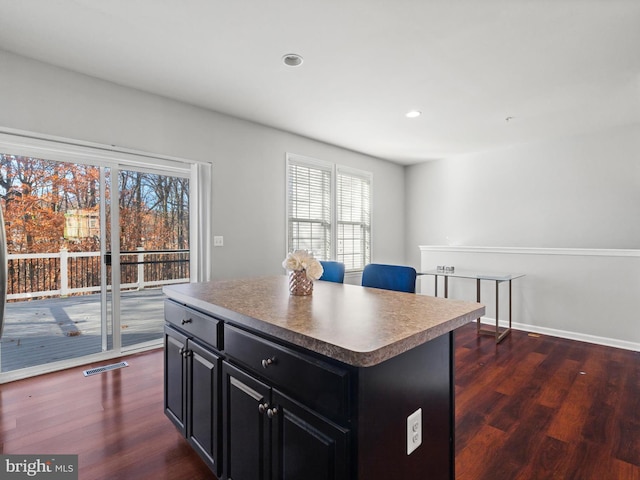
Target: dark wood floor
[
  {"x": 114, "y": 422},
  {"x": 537, "y": 407},
  {"x": 531, "y": 408}
]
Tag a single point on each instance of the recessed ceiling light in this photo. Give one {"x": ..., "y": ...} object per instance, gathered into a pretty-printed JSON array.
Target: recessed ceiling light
[
  {"x": 292, "y": 60},
  {"x": 413, "y": 114}
]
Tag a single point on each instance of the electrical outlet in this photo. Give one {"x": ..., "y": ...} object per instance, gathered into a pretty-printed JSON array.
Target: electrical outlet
[
  {"x": 414, "y": 431},
  {"x": 218, "y": 241}
]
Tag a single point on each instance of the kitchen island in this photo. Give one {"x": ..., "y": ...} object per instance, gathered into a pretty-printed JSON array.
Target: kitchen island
[{"x": 348, "y": 383}]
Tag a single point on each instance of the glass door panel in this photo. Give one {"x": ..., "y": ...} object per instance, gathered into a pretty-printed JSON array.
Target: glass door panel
[
  {"x": 54, "y": 308},
  {"x": 154, "y": 250}
]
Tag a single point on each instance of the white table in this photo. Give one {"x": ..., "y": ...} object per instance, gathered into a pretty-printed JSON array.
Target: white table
[{"x": 478, "y": 277}]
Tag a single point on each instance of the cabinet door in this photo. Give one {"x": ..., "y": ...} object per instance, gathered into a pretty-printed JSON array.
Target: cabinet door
[
  {"x": 203, "y": 412},
  {"x": 175, "y": 345},
  {"x": 306, "y": 445},
  {"x": 246, "y": 436}
]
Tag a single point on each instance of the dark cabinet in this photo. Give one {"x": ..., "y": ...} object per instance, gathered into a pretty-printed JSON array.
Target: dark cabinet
[
  {"x": 317, "y": 384},
  {"x": 305, "y": 445},
  {"x": 175, "y": 378},
  {"x": 257, "y": 407},
  {"x": 203, "y": 387},
  {"x": 268, "y": 435},
  {"x": 246, "y": 434},
  {"x": 192, "y": 393}
]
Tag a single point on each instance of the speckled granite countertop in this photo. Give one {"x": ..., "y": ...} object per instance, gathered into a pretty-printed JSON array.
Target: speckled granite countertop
[{"x": 355, "y": 325}]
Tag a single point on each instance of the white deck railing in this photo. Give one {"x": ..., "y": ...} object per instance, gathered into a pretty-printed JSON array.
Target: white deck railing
[{"x": 65, "y": 275}]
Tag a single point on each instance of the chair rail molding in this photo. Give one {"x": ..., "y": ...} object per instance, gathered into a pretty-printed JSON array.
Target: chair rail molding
[{"x": 596, "y": 252}]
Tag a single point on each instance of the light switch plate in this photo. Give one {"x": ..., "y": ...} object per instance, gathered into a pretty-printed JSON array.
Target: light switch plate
[{"x": 218, "y": 241}]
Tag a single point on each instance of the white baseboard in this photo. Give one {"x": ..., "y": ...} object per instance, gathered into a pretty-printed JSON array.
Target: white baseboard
[{"x": 552, "y": 332}]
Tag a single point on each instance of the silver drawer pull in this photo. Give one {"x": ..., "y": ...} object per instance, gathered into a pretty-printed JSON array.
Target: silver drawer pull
[
  {"x": 188, "y": 320},
  {"x": 268, "y": 361},
  {"x": 272, "y": 412},
  {"x": 262, "y": 408}
]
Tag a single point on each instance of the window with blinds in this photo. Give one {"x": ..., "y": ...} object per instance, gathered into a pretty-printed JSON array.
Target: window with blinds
[
  {"x": 309, "y": 215},
  {"x": 353, "y": 197},
  {"x": 329, "y": 211}
]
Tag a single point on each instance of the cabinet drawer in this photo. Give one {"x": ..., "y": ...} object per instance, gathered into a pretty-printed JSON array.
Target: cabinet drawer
[
  {"x": 204, "y": 327},
  {"x": 317, "y": 384}
]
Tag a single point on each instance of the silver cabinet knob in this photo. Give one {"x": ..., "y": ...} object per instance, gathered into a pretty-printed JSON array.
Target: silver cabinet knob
[
  {"x": 268, "y": 361},
  {"x": 262, "y": 408},
  {"x": 272, "y": 412}
]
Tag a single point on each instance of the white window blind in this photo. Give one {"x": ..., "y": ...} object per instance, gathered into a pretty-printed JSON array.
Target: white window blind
[
  {"x": 353, "y": 195},
  {"x": 329, "y": 211},
  {"x": 309, "y": 218}
]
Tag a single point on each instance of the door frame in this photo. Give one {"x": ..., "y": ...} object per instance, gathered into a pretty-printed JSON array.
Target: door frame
[
  {"x": 47, "y": 147},
  {"x": 116, "y": 253}
]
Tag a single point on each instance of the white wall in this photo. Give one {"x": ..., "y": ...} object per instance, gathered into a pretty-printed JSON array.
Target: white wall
[
  {"x": 248, "y": 159},
  {"x": 583, "y": 294},
  {"x": 576, "y": 193},
  {"x": 581, "y": 192}
]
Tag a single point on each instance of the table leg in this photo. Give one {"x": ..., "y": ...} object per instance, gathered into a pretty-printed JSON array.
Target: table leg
[
  {"x": 507, "y": 331},
  {"x": 499, "y": 336},
  {"x": 478, "y": 300},
  {"x": 497, "y": 308},
  {"x": 509, "y": 304},
  {"x": 436, "y": 288},
  {"x": 446, "y": 286}
]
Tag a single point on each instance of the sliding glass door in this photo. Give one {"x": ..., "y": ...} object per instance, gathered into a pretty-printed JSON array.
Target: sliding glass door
[
  {"x": 89, "y": 248},
  {"x": 154, "y": 250},
  {"x": 52, "y": 214}
]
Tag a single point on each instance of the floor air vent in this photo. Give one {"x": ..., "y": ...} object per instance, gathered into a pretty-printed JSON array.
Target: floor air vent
[{"x": 106, "y": 368}]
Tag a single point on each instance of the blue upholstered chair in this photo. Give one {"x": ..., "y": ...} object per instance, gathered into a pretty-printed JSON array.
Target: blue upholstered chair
[
  {"x": 389, "y": 277},
  {"x": 333, "y": 271}
]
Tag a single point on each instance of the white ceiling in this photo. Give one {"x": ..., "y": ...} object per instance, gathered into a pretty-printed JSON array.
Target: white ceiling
[{"x": 558, "y": 67}]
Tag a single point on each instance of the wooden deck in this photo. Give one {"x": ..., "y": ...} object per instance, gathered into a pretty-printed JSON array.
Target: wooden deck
[{"x": 44, "y": 331}]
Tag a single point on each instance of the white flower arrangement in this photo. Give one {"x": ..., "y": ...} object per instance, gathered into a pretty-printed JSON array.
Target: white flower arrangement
[{"x": 303, "y": 260}]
